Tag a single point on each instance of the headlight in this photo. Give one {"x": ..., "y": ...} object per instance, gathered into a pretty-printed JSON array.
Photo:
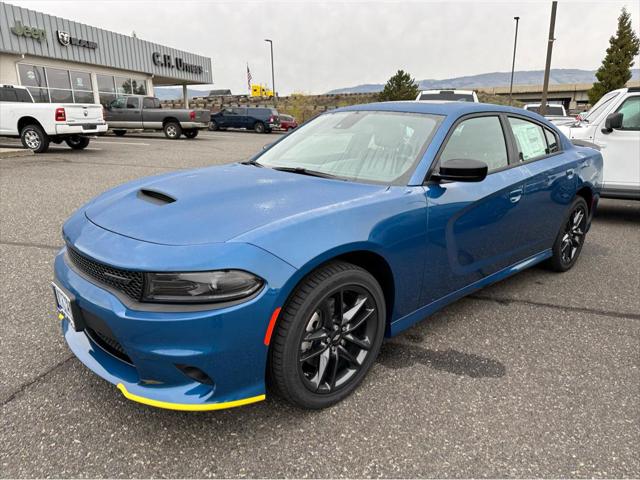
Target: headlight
[{"x": 200, "y": 287}]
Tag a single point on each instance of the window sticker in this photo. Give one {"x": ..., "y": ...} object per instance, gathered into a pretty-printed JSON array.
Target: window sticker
[{"x": 530, "y": 139}]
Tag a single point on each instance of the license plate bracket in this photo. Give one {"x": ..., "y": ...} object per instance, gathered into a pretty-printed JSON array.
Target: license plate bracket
[{"x": 67, "y": 307}]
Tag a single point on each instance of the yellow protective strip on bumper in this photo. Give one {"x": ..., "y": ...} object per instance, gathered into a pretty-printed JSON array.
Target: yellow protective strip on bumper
[{"x": 192, "y": 407}]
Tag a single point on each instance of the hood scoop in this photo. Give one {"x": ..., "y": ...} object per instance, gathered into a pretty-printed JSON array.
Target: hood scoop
[{"x": 155, "y": 197}]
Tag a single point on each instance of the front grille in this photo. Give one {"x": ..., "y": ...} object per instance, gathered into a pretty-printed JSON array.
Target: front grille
[{"x": 125, "y": 281}]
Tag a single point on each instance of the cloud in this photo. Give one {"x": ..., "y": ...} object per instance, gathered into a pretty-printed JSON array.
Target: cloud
[{"x": 319, "y": 46}]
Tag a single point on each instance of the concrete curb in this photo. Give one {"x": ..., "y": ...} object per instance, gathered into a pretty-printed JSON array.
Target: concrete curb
[{"x": 15, "y": 152}]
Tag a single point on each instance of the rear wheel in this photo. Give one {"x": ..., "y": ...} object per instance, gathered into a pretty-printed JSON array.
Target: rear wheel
[
  {"x": 213, "y": 126},
  {"x": 77, "y": 142},
  {"x": 570, "y": 239},
  {"x": 328, "y": 336},
  {"x": 119, "y": 133},
  {"x": 259, "y": 127},
  {"x": 172, "y": 130},
  {"x": 191, "y": 133},
  {"x": 34, "y": 138}
]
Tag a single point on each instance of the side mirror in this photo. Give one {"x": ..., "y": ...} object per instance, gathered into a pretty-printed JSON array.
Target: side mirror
[
  {"x": 612, "y": 122},
  {"x": 462, "y": 170}
]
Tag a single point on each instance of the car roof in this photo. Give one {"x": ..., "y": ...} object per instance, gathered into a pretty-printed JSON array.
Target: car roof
[
  {"x": 456, "y": 109},
  {"x": 466, "y": 92}
]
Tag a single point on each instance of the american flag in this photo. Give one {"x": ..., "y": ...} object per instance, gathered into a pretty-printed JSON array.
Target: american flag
[{"x": 249, "y": 77}]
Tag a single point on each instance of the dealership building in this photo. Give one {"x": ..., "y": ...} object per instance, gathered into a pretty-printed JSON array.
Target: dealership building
[{"x": 63, "y": 61}]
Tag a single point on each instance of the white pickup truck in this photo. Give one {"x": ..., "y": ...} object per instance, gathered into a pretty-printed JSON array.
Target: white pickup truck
[
  {"x": 38, "y": 124},
  {"x": 613, "y": 124}
]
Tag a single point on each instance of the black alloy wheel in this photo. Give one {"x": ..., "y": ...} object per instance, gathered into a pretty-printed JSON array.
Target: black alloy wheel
[
  {"x": 191, "y": 133},
  {"x": 571, "y": 237},
  {"x": 259, "y": 127},
  {"x": 327, "y": 336},
  {"x": 213, "y": 126}
]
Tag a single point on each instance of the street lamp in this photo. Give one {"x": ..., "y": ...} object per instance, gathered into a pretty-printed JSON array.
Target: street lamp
[
  {"x": 273, "y": 82},
  {"x": 513, "y": 64}
]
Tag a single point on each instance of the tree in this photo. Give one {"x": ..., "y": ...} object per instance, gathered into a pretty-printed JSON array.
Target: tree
[
  {"x": 615, "y": 70},
  {"x": 399, "y": 87}
]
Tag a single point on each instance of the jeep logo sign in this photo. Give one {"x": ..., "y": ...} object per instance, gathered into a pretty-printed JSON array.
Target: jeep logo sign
[
  {"x": 177, "y": 63},
  {"x": 38, "y": 34}
]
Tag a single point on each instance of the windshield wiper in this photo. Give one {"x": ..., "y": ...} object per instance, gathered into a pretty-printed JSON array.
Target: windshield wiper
[
  {"x": 306, "y": 171},
  {"x": 252, "y": 162}
]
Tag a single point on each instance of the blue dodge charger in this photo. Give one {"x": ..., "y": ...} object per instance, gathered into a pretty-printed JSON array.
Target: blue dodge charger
[{"x": 205, "y": 289}]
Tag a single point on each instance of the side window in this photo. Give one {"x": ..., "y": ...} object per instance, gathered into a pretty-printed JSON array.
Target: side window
[
  {"x": 8, "y": 95},
  {"x": 133, "y": 102},
  {"x": 118, "y": 102},
  {"x": 148, "y": 102},
  {"x": 630, "y": 110},
  {"x": 479, "y": 138},
  {"x": 552, "y": 141},
  {"x": 530, "y": 139}
]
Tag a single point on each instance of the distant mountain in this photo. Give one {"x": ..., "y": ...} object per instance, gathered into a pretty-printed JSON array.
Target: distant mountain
[
  {"x": 175, "y": 93},
  {"x": 494, "y": 79}
]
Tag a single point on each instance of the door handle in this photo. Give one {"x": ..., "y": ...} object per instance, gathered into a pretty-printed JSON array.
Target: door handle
[{"x": 515, "y": 195}]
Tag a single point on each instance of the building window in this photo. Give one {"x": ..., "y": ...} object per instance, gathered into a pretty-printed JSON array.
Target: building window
[
  {"x": 82, "y": 88},
  {"x": 123, "y": 86},
  {"x": 35, "y": 80},
  {"x": 139, "y": 86},
  {"x": 110, "y": 87},
  {"x": 56, "y": 85}
]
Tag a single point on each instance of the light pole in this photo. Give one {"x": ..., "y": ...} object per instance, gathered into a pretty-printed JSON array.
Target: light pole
[
  {"x": 513, "y": 64},
  {"x": 273, "y": 81}
]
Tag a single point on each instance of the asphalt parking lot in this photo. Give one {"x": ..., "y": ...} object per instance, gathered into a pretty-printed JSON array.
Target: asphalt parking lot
[{"x": 536, "y": 376}]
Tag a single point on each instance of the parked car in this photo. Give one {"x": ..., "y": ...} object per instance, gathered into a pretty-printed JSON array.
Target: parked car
[
  {"x": 287, "y": 123},
  {"x": 613, "y": 124},
  {"x": 555, "y": 112},
  {"x": 137, "y": 112},
  {"x": 39, "y": 124},
  {"x": 262, "y": 120},
  {"x": 448, "y": 95},
  {"x": 192, "y": 290}
]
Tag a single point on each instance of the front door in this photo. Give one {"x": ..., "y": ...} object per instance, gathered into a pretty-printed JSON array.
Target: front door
[
  {"x": 621, "y": 158},
  {"x": 471, "y": 231}
]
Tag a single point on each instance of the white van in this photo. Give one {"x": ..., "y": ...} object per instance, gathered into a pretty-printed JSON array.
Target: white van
[{"x": 613, "y": 124}]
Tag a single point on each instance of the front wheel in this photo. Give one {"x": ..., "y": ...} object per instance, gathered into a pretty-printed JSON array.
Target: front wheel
[
  {"x": 77, "y": 142},
  {"x": 34, "y": 138},
  {"x": 172, "y": 130},
  {"x": 192, "y": 133},
  {"x": 570, "y": 239},
  {"x": 328, "y": 336}
]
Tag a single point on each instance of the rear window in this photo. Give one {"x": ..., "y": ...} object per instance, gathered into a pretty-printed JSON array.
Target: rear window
[
  {"x": 8, "y": 94},
  {"x": 448, "y": 96},
  {"x": 555, "y": 110}
]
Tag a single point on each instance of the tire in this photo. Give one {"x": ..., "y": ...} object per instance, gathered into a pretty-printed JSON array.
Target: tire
[
  {"x": 259, "y": 127},
  {"x": 172, "y": 130},
  {"x": 34, "y": 138},
  {"x": 77, "y": 142},
  {"x": 213, "y": 127},
  {"x": 338, "y": 357},
  {"x": 119, "y": 133},
  {"x": 191, "y": 133},
  {"x": 570, "y": 239}
]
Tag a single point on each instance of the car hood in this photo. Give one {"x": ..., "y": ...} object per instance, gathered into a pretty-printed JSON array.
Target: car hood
[{"x": 216, "y": 204}]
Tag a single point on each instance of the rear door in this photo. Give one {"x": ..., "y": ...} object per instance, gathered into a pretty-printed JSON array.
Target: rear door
[
  {"x": 621, "y": 149},
  {"x": 133, "y": 114},
  {"x": 472, "y": 227},
  {"x": 551, "y": 182}
]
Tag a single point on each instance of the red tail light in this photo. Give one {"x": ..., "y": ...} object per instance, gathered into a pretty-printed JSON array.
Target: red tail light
[
  {"x": 61, "y": 116},
  {"x": 271, "y": 119},
  {"x": 192, "y": 115}
]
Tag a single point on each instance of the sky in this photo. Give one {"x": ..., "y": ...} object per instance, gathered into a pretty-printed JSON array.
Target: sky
[{"x": 319, "y": 46}]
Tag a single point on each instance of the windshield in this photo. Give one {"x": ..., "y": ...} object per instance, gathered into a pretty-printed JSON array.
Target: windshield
[
  {"x": 377, "y": 147},
  {"x": 597, "y": 109}
]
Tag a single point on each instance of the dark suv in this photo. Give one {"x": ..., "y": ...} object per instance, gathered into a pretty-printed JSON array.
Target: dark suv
[{"x": 262, "y": 120}]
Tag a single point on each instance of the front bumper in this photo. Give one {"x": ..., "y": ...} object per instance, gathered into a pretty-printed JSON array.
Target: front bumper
[
  {"x": 68, "y": 129},
  {"x": 227, "y": 344}
]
